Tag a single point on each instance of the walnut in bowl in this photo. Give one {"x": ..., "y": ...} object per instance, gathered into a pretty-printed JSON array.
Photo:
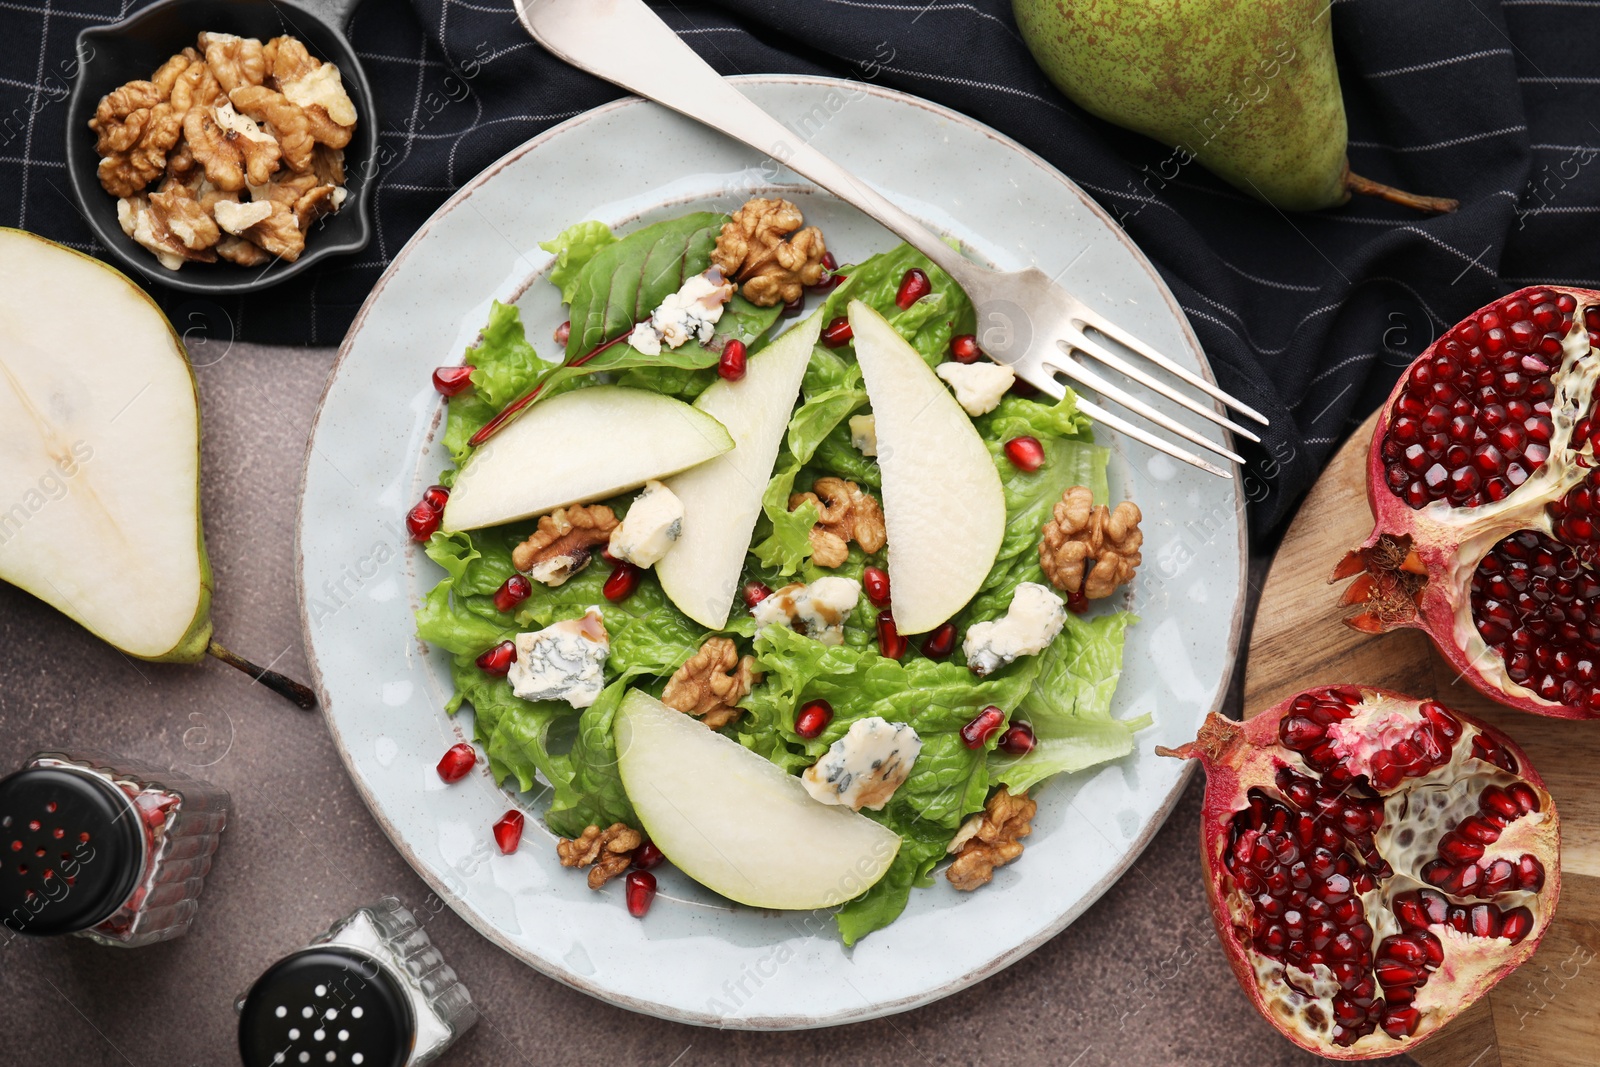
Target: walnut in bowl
[
  {"x": 232, "y": 149},
  {"x": 214, "y": 140}
]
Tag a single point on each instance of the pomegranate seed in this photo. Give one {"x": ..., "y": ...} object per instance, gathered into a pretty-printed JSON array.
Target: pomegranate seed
[
  {"x": 1025, "y": 453},
  {"x": 875, "y": 580},
  {"x": 964, "y": 348},
  {"x": 508, "y": 831},
  {"x": 513, "y": 591},
  {"x": 563, "y": 333},
  {"x": 422, "y": 522},
  {"x": 623, "y": 582},
  {"x": 913, "y": 287},
  {"x": 838, "y": 333},
  {"x": 939, "y": 643},
  {"x": 984, "y": 725},
  {"x": 794, "y": 307},
  {"x": 814, "y": 718},
  {"x": 457, "y": 761},
  {"x": 890, "y": 642},
  {"x": 731, "y": 364},
  {"x": 1516, "y": 924},
  {"x": 829, "y": 279},
  {"x": 639, "y": 888},
  {"x": 436, "y": 496},
  {"x": 451, "y": 381},
  {"x": 754, "y": 593},
  {"x": 498, "y": 660},
  {"x": 647, "y": 856},
  {"x": 1018, "y": 740}
]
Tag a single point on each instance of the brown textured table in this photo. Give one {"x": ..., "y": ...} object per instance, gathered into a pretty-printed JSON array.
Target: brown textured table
[{"x": 1139, "y": 979}]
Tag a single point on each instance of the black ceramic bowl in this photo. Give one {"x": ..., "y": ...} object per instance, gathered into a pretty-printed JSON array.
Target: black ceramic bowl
[{"x": 110, "y": 56}]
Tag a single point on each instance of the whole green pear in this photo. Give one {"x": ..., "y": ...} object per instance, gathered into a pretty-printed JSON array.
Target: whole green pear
[{"x": 1246, "y": 87}]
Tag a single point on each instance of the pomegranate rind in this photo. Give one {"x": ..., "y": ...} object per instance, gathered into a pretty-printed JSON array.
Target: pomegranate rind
[
  {"x": 1241, "y": 756},
  {"x": 1441, "y": 607}
]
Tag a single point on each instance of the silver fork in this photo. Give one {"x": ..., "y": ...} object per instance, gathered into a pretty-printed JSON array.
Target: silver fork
[{"x": 1038, "y": 325}]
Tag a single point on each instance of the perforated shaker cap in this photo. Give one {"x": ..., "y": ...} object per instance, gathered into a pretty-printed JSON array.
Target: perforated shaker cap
[
  {"x": 326, "y": 1006},
  {"x": 71, "y": 849}
]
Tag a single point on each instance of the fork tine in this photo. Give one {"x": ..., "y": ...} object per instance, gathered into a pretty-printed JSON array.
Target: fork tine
[
  {"x": 1118, "y": 334},
  {"x": 1134, "y": 404},
  {"x": 1104, "y": 418},
  {"x": 1095, "y": 351}
]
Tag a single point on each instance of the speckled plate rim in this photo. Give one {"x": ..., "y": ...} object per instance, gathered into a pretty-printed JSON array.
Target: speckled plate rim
[{"x": 554, "y": 968}]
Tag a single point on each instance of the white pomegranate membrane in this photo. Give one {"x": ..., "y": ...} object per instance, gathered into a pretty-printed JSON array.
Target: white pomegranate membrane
[
  {"x": 1377, "y": 863},
  {"x": 1484, "y": 485}
]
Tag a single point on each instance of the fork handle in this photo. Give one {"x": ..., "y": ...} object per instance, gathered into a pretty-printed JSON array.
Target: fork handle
[{"x": 626, "y": 43}]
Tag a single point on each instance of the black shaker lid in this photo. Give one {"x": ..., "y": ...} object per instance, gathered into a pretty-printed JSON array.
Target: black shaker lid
[
  {"x": 71, "y": 849},
  {"x": 326, "y": 1006}
]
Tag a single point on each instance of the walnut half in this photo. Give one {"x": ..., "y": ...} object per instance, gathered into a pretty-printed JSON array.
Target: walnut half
[
  {"x": 1088, "y": 549},
  {"x": 609, "y": 851},
  {"x": 845, "y": 514},
  {"x": 564, "y": 542},
  {"x": 764, "y": 248},
  {"x": 990, "y": 839},
  {"x": 713, "y": 681}
]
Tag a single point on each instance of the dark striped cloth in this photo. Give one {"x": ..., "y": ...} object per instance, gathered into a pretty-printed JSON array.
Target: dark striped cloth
[{"x": 1310, "y": 318}]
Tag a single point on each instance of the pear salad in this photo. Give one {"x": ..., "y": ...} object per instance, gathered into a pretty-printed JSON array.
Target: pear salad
[{"x": 802, "y": 610}]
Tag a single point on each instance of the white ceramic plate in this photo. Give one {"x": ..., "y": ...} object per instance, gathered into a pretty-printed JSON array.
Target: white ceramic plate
[{"x": 697, "y": 958}]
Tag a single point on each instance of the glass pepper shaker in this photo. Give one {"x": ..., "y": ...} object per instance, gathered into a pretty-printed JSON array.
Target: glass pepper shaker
[
  {"x": 106, "y": 848},
  {"x": 371, "y": 991}
]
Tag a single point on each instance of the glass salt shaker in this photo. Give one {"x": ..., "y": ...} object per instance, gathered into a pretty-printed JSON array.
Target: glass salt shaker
[
  {"x": 105, "y": 848},
  {"x": 371, "y": 991}
]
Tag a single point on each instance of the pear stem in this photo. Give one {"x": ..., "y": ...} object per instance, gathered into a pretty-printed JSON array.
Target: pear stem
[
  {"x": 288, "y": 688},
  {"x": 1434, "y": 205}
]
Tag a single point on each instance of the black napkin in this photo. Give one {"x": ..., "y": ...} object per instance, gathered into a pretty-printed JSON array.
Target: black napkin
[{"x": 1308, "y": 317}]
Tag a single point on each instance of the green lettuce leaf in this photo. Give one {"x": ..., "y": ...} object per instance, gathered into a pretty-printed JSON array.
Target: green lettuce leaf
[
  {"x": 592, "y": 794},
  {"x": 1030, "y": 497},
  {"x": 504, "y": 367},
  {"x": 624, "y": 282},
  {"x": 1069, "y": 704},
  {"x": 503, "y": 362},
  {"x": 920, "y": 851},
  {"x": 937, "y": 698},
  {"x": 929, "y": 323},
  {"x": 574, "y": 247}
]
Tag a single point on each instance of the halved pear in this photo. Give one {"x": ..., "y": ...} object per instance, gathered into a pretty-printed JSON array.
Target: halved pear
[
  {"x": 722, "y": 498},
  {"x": 100, "y": 458},
  {"x": 735, "y": 822},
  {"x": 584, "y": 445},
  {"x": 943, "y": 505}
]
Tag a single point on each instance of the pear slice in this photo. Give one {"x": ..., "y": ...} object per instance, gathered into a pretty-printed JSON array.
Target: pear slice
[
  {"x": 943, "y": 504},
  {"x": 584, "y": 445},
  {"x": 735, "y": 822},
  {"x": 100, "y": 458},
  {"x": 722, "y": 498}
]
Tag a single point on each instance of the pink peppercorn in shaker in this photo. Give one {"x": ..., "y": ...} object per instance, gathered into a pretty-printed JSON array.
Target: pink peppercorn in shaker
[{"x": 109, "y": 849}]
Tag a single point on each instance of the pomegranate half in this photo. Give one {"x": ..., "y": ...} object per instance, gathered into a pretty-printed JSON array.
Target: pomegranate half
[
  {"x": 1375, "y": 863},
  {"x": 1486, "y": 499}
]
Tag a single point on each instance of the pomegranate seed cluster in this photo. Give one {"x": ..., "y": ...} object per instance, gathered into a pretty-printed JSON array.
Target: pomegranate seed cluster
[
  {"x": 1473, "y": 422},
  {"x": 1304, "y": 858},
  {"x": 1535, "y": 604},
  {"x": 1457, "y": 870}
]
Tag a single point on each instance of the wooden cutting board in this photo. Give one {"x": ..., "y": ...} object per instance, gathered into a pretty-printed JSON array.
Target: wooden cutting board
[{"x": 1547, "y": 1012}]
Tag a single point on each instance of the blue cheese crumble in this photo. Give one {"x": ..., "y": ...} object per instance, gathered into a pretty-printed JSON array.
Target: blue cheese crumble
[
  {"x": 692, "y": 312},
  {"x": 563, "y": 661},
  {"x": 978, "y": 386},
  {"x": 652, "y": 526},
  {"x": 864, "y": 767},
  {"x": 817, "y": 610},
  {"x": 1032, "y": 621}
]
